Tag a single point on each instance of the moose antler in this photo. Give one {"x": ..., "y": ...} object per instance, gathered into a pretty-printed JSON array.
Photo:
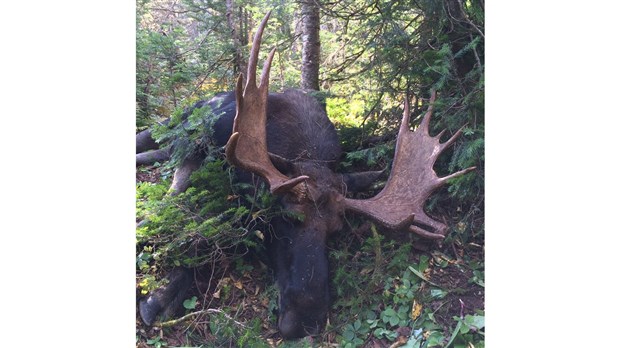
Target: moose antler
[
  {"x": 247, "y": 146},
  {"x": 412, "y": 180}
]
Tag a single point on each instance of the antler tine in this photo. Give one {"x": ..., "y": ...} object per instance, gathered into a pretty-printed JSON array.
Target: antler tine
[
  {"x": 441, "y": 146},
  {"x": 264, "y": 78},
  {"x": 412, "y": 180},
  {"x": 247, "y": 146},
  {"x": 424, "y": 125},
  {"x": 426, "y": 234},
  {"x": 253, "y": 59},
  {"x": 452, "y": 138},
  {"x": 404, "y": 123}
]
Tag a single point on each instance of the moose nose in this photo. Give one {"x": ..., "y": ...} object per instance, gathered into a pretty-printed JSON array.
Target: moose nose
[
  {"x": 292, "y": 326},
  {"x": 303, "y": 311},
  {"x": 289, "y": 326}
]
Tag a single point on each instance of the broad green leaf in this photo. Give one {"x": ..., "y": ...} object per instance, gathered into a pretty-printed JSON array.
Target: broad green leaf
[
  {"x": 348, "y": 335},
  {"x": 435, "y": 339},
  {"x": 476, "y": 321},
  {"x": 190, "y": 303},
  {"x": 454, "y": 332},
  {"x": 438, "y": 293},
  {"x": 419, "y": 274}
]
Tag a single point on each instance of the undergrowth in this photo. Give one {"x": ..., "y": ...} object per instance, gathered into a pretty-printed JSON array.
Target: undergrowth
[{"x": 385, "y": 292}]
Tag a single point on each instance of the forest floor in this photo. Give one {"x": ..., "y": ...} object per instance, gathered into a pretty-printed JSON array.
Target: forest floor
[{"x": 251, "y": 295}]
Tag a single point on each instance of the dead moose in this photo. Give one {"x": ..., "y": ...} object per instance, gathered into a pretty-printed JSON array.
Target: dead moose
[{"x": 288, "y": 141}]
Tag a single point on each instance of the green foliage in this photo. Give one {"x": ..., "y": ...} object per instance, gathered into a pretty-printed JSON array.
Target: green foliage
[
  {"x": 466, "y": 331},
  {"x": 371, "y": 157},
  {"x": 406, "y": 290},
  {"x": 180, "y": 58},
  {"x": 189, "y": 135},
  {"x": 148, "y": 282},
  {"x": 352, "y": 332},
  {"x": 190, "y": 303},
  {"x": 164, "y": 76},
  {"x": 226, "y": 331},
  {"x": 156, "y": 342},
  {"x": 177, "y": 226},
  {"x": 397, "y": 295}
]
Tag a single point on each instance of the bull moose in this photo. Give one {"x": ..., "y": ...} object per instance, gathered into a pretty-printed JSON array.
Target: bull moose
[{"x": 288, "y": 141}]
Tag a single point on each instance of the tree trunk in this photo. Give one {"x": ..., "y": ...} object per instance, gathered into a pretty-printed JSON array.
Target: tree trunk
[
  {"x": 234, "y": 33},
  {"x": 311, "y": 44}
]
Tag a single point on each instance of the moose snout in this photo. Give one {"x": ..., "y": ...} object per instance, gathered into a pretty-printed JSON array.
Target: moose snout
[
  {"x": 293, "y": 324},
  {"x": 302, "y": 314}
]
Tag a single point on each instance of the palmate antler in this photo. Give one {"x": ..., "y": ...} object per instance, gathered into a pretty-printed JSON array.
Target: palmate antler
[
  {"x": 247, "y": 146},
  {"x": 412, "y": 180}
]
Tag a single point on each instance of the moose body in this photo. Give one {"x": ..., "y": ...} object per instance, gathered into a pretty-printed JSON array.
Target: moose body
[
  {"x": 298, "y": 130},
  {"x": 288, "y": 141}
]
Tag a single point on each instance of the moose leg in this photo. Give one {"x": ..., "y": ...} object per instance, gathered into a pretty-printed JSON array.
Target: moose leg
[
  {"x": 181, "y": 182},
  {"x": 145, "y": 142},
  {"x": 168, "y": 299},
  {"x": 150, "y": 157}
]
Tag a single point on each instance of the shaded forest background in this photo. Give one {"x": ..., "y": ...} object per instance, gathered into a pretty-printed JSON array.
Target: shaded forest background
[{"x": 371, "y": 55}]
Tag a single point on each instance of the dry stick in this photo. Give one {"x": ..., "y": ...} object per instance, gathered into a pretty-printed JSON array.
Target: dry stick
[
  {"x": 193, "y": 314},
  {"x": 377, "y": 246},
  {"x": 400, "y": 341},
  {"x": 469, "y": 20}
]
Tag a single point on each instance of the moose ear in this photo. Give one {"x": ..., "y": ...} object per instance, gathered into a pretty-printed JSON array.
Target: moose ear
[{"x": 358, "y": 182}]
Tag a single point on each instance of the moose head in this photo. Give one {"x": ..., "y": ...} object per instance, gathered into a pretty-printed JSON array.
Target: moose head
[{"x": 298, "y": 166}]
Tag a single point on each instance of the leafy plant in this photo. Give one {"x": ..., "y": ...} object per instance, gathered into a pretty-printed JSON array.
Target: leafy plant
[
  {"x": 156, "y": 342},
  {"x": 190, "y": 303},
  {"x": 466, "y": 330},
  {"x": 352, "y": 332}
]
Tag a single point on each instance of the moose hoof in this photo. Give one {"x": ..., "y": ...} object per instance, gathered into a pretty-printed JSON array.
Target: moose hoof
[{"x": 149, "y": 309}]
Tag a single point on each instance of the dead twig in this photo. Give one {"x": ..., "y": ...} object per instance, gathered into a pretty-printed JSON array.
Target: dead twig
[{"x": 174, "y": 322}]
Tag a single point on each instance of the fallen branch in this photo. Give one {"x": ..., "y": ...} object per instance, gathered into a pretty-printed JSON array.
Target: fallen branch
[{"x": 174, "y": 322}]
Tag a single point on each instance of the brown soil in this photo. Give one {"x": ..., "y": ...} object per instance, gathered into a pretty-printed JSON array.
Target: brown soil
[
  {"x": 147, "y": 174},
  {"x": 464, "y": 297}
]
